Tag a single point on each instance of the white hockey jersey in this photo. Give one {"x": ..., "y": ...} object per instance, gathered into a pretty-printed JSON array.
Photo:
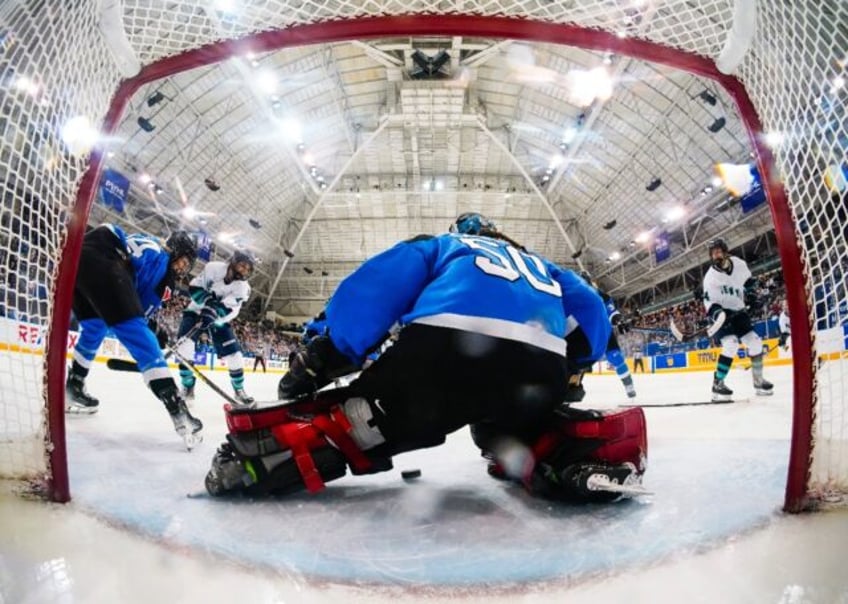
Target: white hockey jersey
[
  {"x": 726, "y": 290},
  {"x": 231, "y": 295},
  {"x": 783, "y": 322}
]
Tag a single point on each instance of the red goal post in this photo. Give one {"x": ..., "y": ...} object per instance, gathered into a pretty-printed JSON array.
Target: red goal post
[{"x": 174, "y": 40}]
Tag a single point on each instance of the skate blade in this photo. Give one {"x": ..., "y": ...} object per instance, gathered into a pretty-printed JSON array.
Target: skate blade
[
  {"x": 764, "y": 392},
  {"x": 192, "y": 440},
  {"x": 601, "y": 482},
  {"x": 80, "y": 409}
]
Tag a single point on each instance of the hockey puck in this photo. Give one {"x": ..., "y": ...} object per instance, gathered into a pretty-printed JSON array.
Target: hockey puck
[{"x": 410, "y": 474}]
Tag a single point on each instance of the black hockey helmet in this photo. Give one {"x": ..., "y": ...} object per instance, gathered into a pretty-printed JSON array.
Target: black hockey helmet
[
  {"x": 240, "y": 256},
  {"x": 181, "y": 244},
  {"x": 472, "y": 223},
  {"x": 718, "y": 244}
]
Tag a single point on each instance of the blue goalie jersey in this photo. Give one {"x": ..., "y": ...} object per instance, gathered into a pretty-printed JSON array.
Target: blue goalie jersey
[{"x": 470, "y": 283}]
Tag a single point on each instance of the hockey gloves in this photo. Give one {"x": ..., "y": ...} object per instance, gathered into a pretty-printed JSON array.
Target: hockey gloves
[
  {"x": 211, "y": 317},
  {"x": 199, "y": 295},
  {"x": 718, "y": 317},
  {"x": 312, "y": 367}
]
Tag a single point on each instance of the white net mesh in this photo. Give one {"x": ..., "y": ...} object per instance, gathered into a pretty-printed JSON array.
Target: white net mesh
[{"x": 56, "y": 65}]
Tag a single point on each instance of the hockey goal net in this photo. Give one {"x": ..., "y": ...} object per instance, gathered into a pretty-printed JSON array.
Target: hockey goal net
[{"x": 63, "y": 60}]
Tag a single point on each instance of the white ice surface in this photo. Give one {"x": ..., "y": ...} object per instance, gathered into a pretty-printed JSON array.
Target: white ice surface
[{"x": 711, "y": 533}]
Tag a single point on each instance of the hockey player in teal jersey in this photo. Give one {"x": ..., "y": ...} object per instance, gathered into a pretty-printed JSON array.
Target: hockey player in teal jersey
[{"x": 483, "y": 339}]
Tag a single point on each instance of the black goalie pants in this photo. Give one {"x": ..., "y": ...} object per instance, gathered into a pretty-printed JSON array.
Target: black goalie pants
[{"x": 435, "y": 380}]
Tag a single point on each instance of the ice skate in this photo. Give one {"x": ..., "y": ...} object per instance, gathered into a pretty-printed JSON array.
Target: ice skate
[
  {"x": 763, "y": 387},
  {"x": 188, "y": 393},
  {"x": 244, "y": 399},
  {"x": 227, "y": 473},
  {"x": 600, "y": 482},
  {"x": 631, "y": 391},
  {"x": 720, "y": 391},
  {"x": 77, "y": 398},
  {"x": 187, "y": 426}
]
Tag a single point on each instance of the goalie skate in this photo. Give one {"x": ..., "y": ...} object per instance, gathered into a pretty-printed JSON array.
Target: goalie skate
[
  {"x": 227, "y": 473},
  {"x": 603, "y": 482},
  {"x": 632, "y": 485}
]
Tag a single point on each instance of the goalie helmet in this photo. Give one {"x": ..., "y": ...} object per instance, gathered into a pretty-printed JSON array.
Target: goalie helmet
[
  {"x": 182, "y": 245},
  {"x": 472, "y": 223},
  {"x": 241, "y": 257}
]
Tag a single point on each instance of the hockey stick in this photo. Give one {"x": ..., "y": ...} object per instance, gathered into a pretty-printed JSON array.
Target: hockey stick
[
  {"x": 207, "y": 381},
  {"x": 132, "y": 366},
  {"x": 693, "y": 404},
  {"x": 709, "y": 330},
  {"x": 122, "y": 365}
]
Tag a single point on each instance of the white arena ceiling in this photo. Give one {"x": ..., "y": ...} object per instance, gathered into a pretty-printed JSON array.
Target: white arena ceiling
[{"x": 334, "y": 152}]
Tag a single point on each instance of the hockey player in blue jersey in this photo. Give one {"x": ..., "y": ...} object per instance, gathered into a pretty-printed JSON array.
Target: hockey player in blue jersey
[
  {"x": 613, "y": 348},
  {"x": 121, "y": 281},
  {"x": 483, "y": 339}
]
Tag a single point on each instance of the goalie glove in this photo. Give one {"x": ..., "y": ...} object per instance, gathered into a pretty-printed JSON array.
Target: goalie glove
[
  {"x": 311, "y": 367},
  {"x": 718, "y": 316}
]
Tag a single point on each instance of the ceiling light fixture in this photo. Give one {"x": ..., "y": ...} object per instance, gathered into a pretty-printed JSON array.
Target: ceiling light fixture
[
  {"x": 145, "y": 124},
  {"x": 717, "y": 125},
  {"x": 155, "y": 98},
  {"x": 708, "y": 97}
]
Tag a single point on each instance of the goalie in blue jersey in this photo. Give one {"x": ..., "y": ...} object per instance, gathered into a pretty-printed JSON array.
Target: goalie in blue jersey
[{"x": 482, "y": 340}]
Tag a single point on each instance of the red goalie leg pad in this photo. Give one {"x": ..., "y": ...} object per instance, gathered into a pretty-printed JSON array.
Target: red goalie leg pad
[
  {"x": 240, "y": 419},
  {"x": 621, "y": 432},
  {"x": 304, "y": 437}
]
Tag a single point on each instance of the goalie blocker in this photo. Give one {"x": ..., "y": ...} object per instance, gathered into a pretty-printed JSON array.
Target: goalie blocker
[{"x": 585, "y": 456}]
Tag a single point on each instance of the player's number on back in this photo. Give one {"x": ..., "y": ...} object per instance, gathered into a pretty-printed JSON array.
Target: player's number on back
[
  {"x": 508, "y": 263},
  {"x": 138, "y": 246}
]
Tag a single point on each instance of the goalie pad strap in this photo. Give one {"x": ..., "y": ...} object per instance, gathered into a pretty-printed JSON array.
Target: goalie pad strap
[
  {"x": 303, "y": 437},
  {"x": 293, "y": 435},
  {"x": 337, "y": 427}
]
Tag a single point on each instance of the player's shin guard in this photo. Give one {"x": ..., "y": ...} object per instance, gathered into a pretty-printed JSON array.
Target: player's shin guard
[
  {"x": 287, "y": 448},
  {"x": 591, "y": 456}
]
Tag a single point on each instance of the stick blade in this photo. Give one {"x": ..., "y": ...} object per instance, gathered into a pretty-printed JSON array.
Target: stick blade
[{"x": 122, "y": 365}]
